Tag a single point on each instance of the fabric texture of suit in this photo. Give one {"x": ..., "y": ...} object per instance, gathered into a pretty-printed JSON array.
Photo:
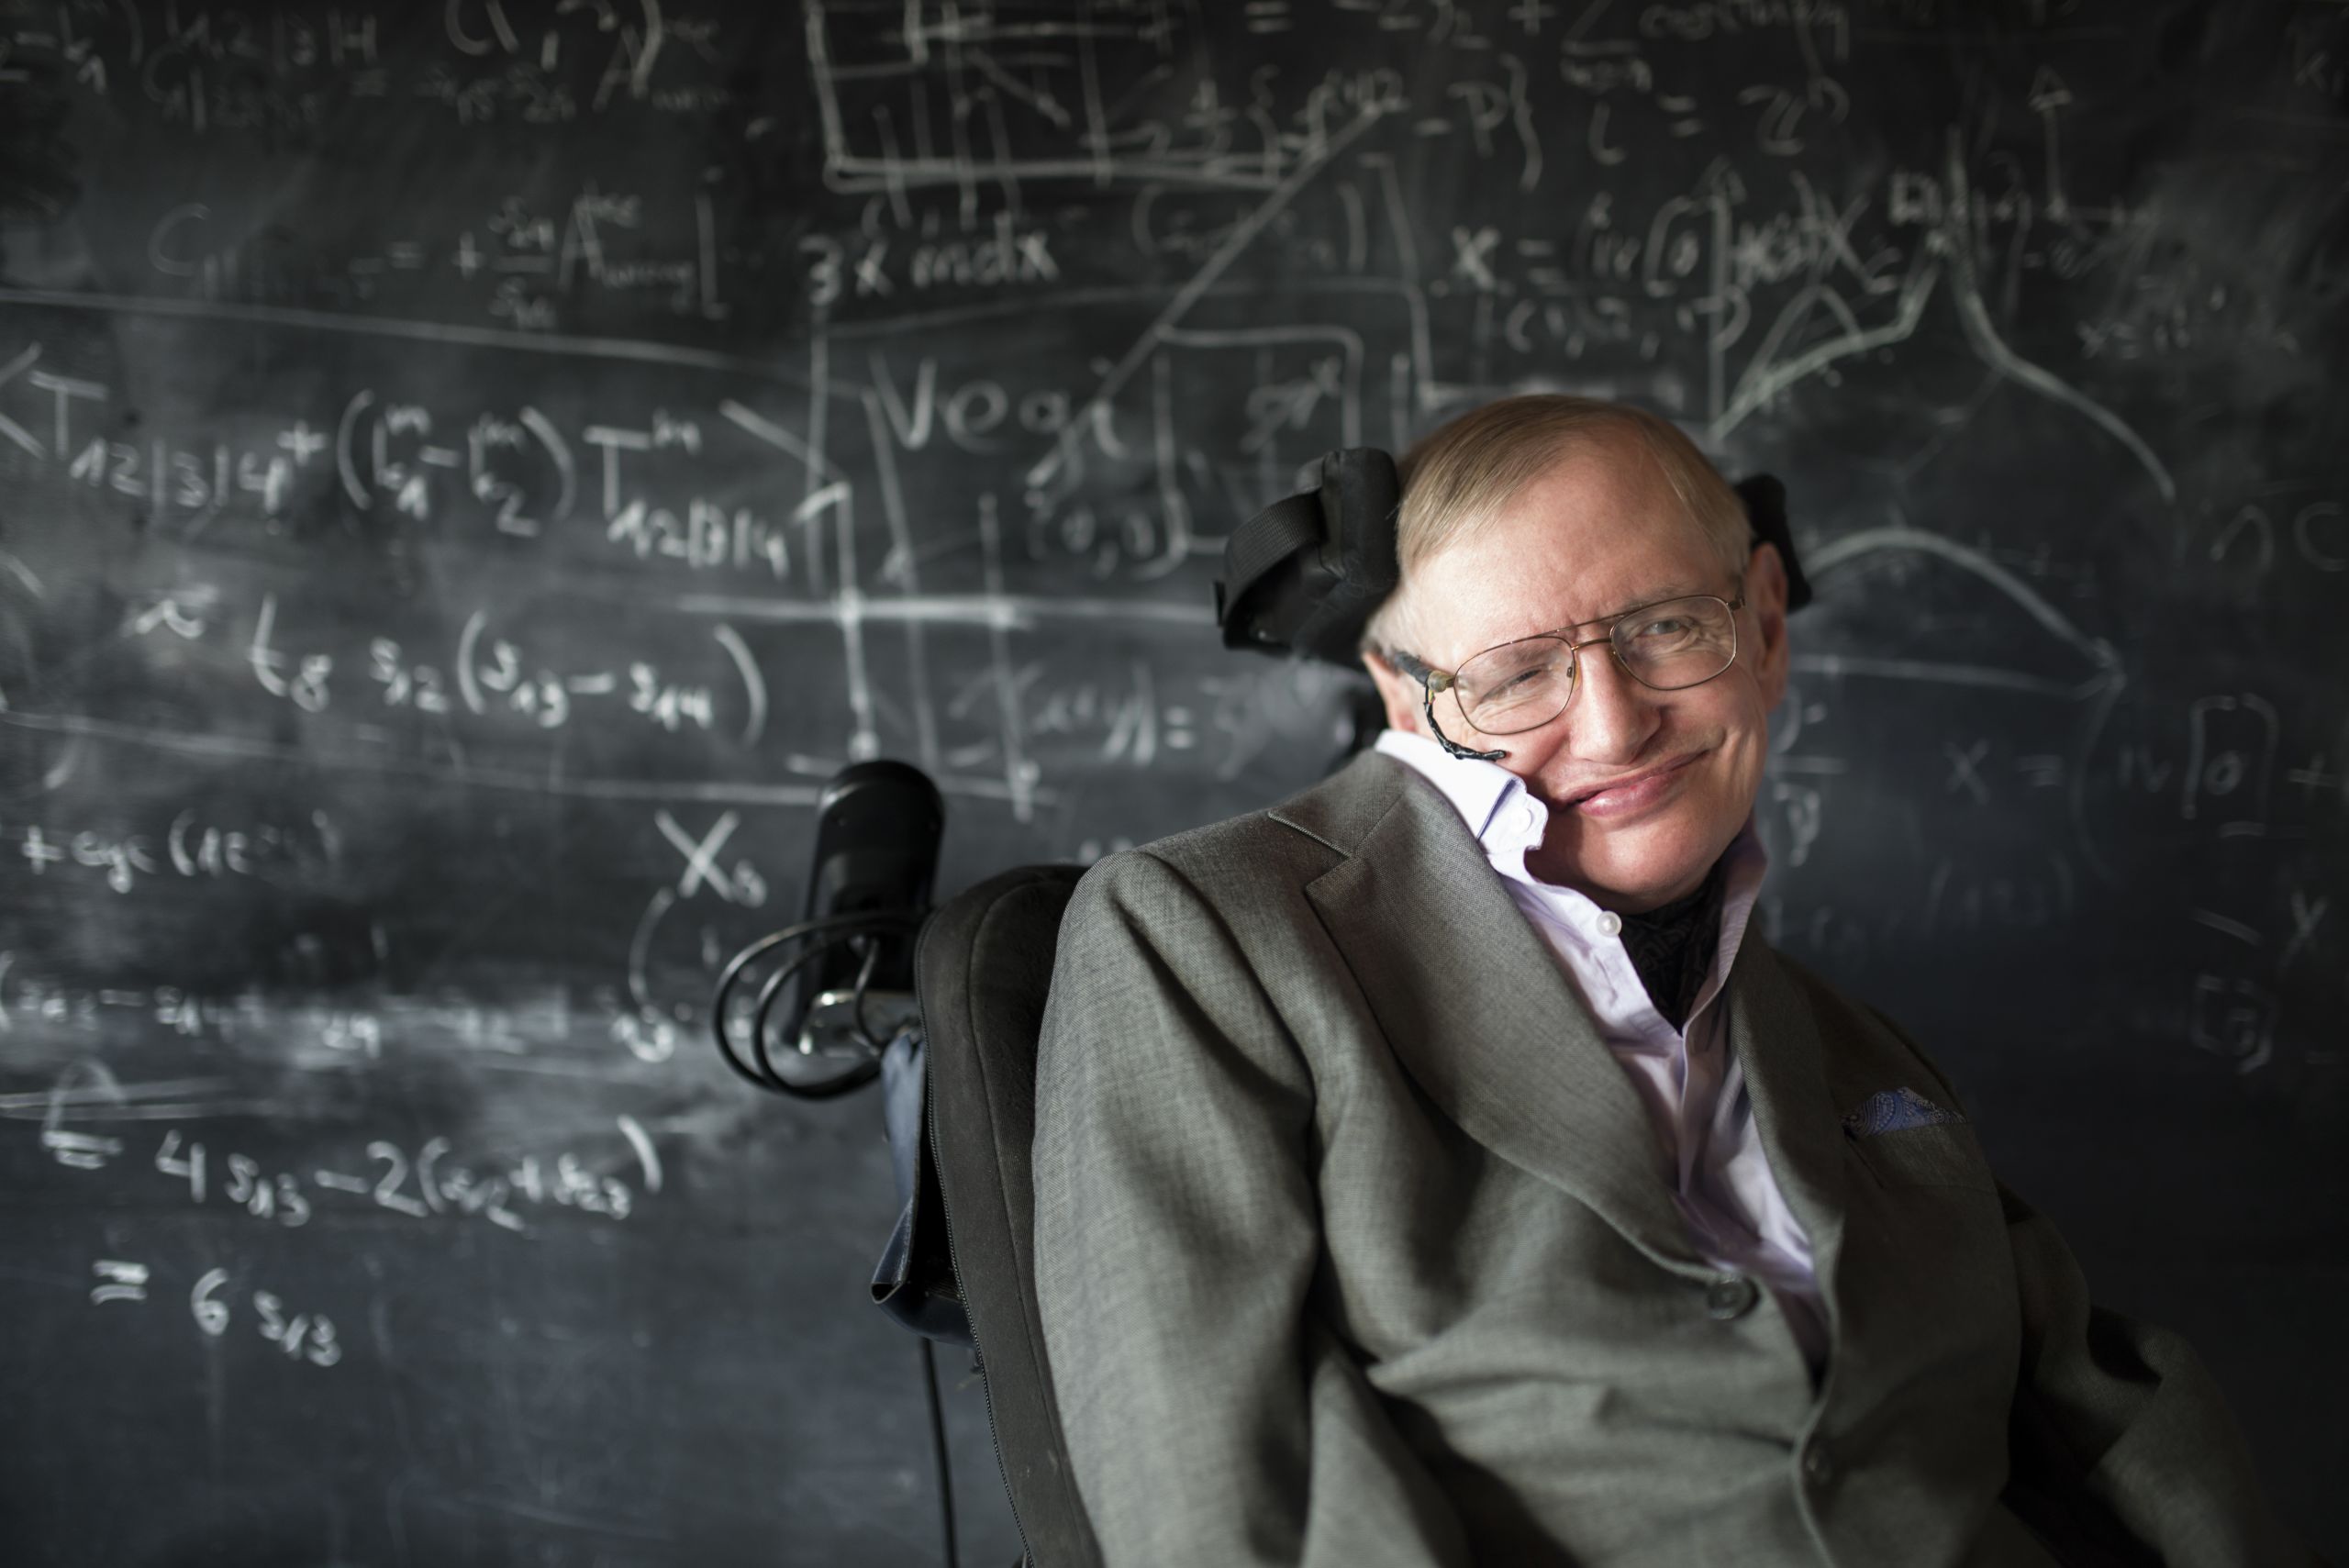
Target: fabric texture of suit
[{"x": 1354, "y": 1247}]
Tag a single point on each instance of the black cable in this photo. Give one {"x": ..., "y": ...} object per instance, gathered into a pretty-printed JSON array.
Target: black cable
[
  {"x": 839, "y": 926},
  {"x": 938, "y": 1453},
  {"x": 769, "y": 993},
  {"x": 763, "y": 1075},
  {"x": 724, "y": 1044},
  {"x": 742, "y": 961}
]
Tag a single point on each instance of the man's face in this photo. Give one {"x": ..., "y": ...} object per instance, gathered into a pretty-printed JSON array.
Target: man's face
[{"x": 1601, "y": 533}]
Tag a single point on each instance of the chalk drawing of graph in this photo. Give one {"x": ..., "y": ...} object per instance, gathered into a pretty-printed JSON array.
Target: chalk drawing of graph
[{"x": 949, "y": 94}]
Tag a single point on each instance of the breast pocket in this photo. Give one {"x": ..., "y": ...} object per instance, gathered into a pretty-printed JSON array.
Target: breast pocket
[{"x": 1942, "y": 1155}]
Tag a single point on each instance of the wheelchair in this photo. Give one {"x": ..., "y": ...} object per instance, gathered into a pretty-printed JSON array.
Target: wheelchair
[
  {"x": 956, "y": 1056},
  {"x": 959, "y": 1060}
]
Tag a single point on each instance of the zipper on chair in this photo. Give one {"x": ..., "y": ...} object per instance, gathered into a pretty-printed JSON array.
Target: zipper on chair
[{"x": 986, "y": 1388}]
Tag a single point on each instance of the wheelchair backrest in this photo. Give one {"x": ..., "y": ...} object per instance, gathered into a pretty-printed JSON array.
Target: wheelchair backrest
[{"x": 981, "y": 970}]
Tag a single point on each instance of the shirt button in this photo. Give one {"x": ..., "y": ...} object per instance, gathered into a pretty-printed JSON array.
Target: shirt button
[
  {"x": 1731, "y": 1295},
  {"x": 1608, "y": 922},
  {"x": 1818, "y": 1461},
  {"x": 1529, "y": 816}
]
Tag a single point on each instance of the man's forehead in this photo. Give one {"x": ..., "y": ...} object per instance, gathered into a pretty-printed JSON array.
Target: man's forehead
[
  {"x": 1509, "y": 623},
  {"x": 1534, "y": 574}
]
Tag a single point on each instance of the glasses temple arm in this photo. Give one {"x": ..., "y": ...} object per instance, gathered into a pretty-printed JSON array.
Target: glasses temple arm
[{"x": 1430, "y": 681}]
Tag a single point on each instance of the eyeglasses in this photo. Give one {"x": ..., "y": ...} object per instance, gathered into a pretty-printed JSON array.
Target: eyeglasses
[{"x": 1667, "y": 646}]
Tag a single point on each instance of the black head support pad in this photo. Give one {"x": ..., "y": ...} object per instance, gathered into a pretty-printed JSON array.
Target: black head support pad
[
  {"x": 1305, "y": 574},
  {"x": 1765, "y": 512}
]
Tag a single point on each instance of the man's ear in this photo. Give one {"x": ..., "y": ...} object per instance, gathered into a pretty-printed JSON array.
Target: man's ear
[
  {"x": 1765, "y": 596},
  {"x": 1397, "y": 692}
]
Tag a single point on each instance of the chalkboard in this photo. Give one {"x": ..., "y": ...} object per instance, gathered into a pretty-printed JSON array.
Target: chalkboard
[{"x": 468, "y": 473}]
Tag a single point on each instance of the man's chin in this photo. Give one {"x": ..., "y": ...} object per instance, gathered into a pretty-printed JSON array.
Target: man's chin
[
  {"x": 1632, "y": 870},
  {"x": 1633, "y": 883}
]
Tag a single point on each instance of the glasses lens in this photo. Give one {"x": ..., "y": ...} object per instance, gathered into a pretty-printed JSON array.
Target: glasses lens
[
  {"x": 1516, "y": 686},
  {"x": 1681, "y": 642}
]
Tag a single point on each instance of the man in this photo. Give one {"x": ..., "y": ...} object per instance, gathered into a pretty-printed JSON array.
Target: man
[{"x": 1436, "y": 1169}]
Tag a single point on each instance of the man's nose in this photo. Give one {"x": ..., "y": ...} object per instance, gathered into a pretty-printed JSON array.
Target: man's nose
[{"x": 1613, "y": 715}]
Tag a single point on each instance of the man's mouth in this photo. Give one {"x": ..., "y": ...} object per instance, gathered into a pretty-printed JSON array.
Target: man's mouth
[{"x": 1630, "y": 790}]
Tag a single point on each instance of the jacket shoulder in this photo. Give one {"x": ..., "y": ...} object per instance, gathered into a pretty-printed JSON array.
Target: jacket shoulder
[
  {"x": 1307, "y": 833},
  {"x": 1249, "y": 869},
  {"x": 1218, "y": 862}
]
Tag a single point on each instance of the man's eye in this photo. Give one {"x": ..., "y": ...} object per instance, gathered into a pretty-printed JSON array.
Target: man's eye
[{"x": 1669, "y": 625}]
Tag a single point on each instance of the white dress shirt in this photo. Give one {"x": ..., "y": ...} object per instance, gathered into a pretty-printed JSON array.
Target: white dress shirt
[{"x": 1693, "y": 1087}]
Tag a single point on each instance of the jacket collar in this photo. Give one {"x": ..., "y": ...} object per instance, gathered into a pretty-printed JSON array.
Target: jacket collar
[
  {"x": 1775, "y": 1034},
  {"x": 1475, "y": 1008}
]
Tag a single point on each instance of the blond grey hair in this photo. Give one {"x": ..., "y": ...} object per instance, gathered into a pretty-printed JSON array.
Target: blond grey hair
[{"x": 1457, "y": 479}]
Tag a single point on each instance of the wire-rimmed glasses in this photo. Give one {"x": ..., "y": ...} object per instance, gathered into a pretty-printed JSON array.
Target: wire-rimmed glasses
[{"x": 1667, "y": 646}]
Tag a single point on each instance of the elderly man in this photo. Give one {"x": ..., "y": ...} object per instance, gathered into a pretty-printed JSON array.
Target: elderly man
[{"x": 1438, "y": 1169}]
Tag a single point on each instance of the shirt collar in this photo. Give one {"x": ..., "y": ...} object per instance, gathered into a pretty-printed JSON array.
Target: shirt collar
[
  {"x": 1478, "y": 790},
  {"x": 1509, "y": 822}
]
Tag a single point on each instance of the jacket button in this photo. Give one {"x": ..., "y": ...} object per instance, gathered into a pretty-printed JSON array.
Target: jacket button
[
  {"x": 1731, "y": 1295},
  {"x": 1818, "y": 1461}
]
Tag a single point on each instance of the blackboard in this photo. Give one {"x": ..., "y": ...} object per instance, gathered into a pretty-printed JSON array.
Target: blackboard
[{"x": 468, "y": 473}]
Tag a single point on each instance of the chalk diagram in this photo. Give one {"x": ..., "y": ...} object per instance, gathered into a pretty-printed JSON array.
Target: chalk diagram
[
  {"x": 1968, "y": 648},
  {"x": 987, "y": 104}
]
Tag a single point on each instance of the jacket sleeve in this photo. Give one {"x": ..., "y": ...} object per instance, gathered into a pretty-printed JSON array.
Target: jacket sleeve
[
  {"x": 1211, "y": 1418},
  {"x": 2120, "y": 1440},
  {"x": 2122, "y": 1450}
]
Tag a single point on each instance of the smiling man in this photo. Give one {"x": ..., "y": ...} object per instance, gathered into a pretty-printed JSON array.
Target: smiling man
[{"x": 1436, "y": 1169}]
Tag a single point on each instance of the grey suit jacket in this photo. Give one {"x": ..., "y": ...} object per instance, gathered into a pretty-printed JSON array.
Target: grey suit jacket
[{"x": 1354, "y": 1247}]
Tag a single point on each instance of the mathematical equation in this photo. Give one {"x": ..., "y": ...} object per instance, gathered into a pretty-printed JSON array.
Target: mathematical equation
[
  {"x": 314, "y": 1034},
  {"x": 510, "y": 473},
  {"x": 677, "y": 490},
  {"x": 213, "y": 1304},
  {"x": 209, "y": 68},
  {"x": 425, "y": 1184},
  {"x": 189, "y": 847},
  {"x": 489, "y": 675}
]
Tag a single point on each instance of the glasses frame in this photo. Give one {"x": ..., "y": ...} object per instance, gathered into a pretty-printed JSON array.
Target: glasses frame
[{"x": 1432, "y": 680}]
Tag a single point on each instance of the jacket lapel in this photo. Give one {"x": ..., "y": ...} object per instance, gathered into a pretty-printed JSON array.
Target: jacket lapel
[
  {"x": 1475, "y": 1007},
  {"x": 1775, "y": 1034}
]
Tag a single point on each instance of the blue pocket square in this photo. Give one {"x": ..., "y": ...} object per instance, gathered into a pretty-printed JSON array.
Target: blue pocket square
[{"x": 1895, "y": 1111}]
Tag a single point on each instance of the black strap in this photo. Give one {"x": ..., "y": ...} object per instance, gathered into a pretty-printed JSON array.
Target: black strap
[
  {"x": 1269, "y": 538},
  {"x": 1765, "y": 512}
]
